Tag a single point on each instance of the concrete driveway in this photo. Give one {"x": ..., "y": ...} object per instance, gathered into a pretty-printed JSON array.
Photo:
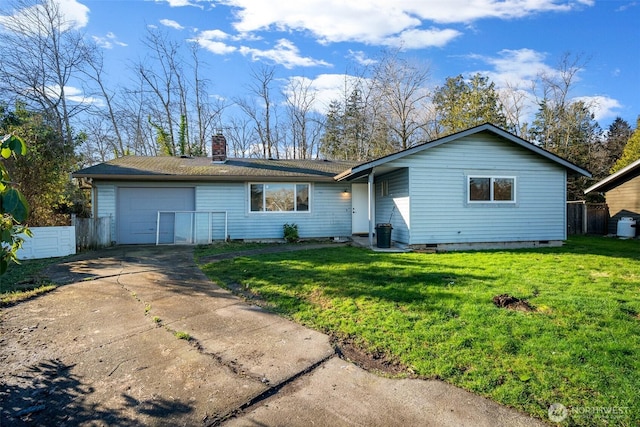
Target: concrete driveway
[{"x": 104, "y": 350}]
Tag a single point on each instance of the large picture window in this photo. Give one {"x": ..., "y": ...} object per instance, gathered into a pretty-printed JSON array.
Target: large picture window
[
  {"x": 485, "y": 189},
  {"x": 279, "y": 197}
]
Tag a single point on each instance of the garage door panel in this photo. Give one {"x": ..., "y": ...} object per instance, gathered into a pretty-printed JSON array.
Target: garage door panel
[{"x": 138, "y": 212}]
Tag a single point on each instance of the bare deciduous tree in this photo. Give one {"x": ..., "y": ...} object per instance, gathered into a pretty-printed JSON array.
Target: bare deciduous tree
[
  {"x": 41, "y": 54},
  {"x": 402, "y": 92},
  {"x": 260, "y": 108},
  {"x": 304, "y": 123}
]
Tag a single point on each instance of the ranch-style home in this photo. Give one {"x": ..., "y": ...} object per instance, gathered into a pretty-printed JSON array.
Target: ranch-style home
[{"x": 483, "y": 187}]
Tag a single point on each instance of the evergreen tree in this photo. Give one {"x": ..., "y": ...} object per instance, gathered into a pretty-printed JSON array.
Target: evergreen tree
[
  {"x": 571, "y": 132},
  {"x": 461, "y": 104},
  {"x": 617, "y": 137},
  {"x": 631, "y": 152},
  {"x": 330, "y": 142},
  {"x": 355, "y": 135}
]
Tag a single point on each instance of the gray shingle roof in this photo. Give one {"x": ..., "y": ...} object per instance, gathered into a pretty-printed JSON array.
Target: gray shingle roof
[{"x": 202, "y": 169}]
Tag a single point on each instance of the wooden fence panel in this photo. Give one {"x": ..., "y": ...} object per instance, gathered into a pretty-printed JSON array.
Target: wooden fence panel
[
  {"x": 597, "y": 218},
  {"x": 575, "y": 218},
  {"x": 92, "y": 233},
  {"x": 587, "y": 218}
]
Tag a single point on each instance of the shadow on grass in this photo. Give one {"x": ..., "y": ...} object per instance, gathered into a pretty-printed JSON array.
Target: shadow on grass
[
  {"x": 405, "y": 282},
  {"x": 50, "y": 394}
]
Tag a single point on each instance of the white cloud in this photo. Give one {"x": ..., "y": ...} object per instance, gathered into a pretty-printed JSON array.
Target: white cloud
[
  {"x": 625, "y": 6},
  {"x": 326, "y": 88},
  {"x": 214, "y": 35},
  {"x": 75, "y": 12},
  {"x": 516, "y": 68},
  {"x": 75, "y": 95},
  {"x": 602, "y": 107},
  {"x": 75, "y": 15},
  {"x": 377, "y": 21},
  {"x": 108, "y": 41},
  {"x": 171, "y": 24},
  {"x": 284, "y": 53},
  {"x": 418, "y": 39},
  {"x": 219, "y": 48},
  {"x": 181, "y": 3},
  {"x": 519, "y": 70},
  {"x": 361, "y": 58},
  {"x": 214, "y": 42}
]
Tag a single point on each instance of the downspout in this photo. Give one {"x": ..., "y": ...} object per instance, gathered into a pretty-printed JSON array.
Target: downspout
[
  {"x": 94, "y": 201},
  {"x": 372, "y": 209}
]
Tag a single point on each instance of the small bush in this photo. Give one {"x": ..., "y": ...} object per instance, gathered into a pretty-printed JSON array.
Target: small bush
[{"x": 291, "y": 233}]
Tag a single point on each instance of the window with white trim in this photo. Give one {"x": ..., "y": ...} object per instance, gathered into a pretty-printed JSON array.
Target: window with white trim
[
  {"x": 491, "y": 189},
  {"x": 384, "y": 188},
  {"x": 279, "y": 197}
]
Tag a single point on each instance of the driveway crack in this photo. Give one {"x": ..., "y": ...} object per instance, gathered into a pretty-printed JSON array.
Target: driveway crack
[{"x": 269, "y": 392}]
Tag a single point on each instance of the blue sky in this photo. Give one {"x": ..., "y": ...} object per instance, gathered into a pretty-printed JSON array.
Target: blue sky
[{"x": 509, "y": 40}]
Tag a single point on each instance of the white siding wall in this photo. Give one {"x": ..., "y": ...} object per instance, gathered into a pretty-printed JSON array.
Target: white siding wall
[
  {"x": 438, "y": 189},
  {"x": 395, "y": 207},
  {"x": 228, "y": 197},
  {"x": 105, "y": 205}
]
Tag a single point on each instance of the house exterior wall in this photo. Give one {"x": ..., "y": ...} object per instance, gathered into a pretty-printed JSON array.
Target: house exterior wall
[
  {"x": 439, "y": 208},
  {"x": 394, "y": 207},
  {"x": 624, "y": 201},
  {"x": 329, "y": 216},
  {"x": 104, "y": 204}
]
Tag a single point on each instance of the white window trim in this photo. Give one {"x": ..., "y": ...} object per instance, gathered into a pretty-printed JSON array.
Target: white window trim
[
  {"x": 296, "y": 212},
  {"x": 491, "y": 201}
]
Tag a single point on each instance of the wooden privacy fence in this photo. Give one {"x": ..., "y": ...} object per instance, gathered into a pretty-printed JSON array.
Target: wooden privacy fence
[
  {"x": 587, "y": 218},
  {"x": 92, "y": 233}
]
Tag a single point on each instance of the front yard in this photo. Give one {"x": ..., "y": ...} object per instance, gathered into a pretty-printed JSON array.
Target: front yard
[{"x": 434, "y": 315}]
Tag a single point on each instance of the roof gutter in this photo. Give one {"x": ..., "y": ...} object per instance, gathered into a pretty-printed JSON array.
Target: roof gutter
[{"x": 202, "y": 178}]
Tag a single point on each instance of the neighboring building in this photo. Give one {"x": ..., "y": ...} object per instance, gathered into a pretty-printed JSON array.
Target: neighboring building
[
  {"x": 622, "y": 193},
  {"x": 483, "y": 187}
]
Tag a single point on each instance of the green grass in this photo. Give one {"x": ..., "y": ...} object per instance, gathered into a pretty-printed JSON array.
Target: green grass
[
  {"x": 25, "y": 280},
  {"x": 434, "y": 314},
  {"x": 182, "y": 335}
]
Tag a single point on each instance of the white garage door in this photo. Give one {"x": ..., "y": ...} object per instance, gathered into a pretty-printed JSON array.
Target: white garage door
[{"x": 138, "y": 212}]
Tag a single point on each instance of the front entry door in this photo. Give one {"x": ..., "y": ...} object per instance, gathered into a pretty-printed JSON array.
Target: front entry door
[{"x": 359, "y": 208}]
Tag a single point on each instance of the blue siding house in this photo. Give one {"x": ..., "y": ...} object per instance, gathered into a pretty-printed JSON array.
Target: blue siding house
[{"x": 479, "y": 188}]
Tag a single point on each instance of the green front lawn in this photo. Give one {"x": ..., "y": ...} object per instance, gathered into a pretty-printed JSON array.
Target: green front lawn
[{"x": 434, "y": 314}]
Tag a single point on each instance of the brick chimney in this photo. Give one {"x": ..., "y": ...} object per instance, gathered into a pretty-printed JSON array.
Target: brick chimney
[{"x": 219, "y": 148}]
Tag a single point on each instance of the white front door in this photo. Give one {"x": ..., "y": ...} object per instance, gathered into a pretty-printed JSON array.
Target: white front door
[{"x": 359, "y": 208}]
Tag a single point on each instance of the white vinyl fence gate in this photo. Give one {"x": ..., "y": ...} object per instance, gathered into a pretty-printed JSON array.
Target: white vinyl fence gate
[
  {"x": 190, "y": 227},
  {"x": 48, "y": 242}
]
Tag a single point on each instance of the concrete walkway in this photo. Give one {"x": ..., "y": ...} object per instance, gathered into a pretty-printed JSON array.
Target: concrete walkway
[{"x": 104, "y": 350}]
